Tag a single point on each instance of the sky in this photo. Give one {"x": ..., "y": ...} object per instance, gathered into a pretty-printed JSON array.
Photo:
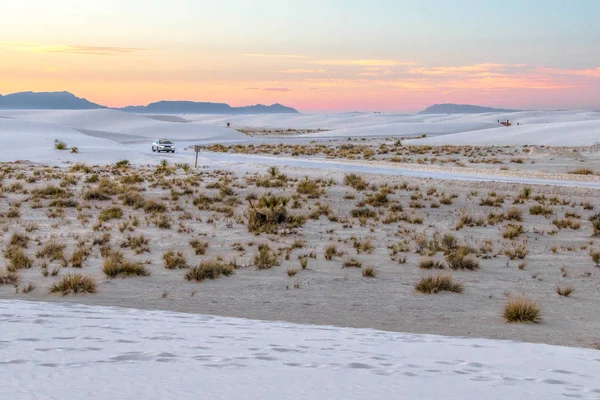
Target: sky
[{"x": 317, "y": 56}]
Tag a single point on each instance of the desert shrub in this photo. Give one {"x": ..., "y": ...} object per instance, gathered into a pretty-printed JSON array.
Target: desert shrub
[
  {"x": 75, "y": 283},
  {"x": 265, "y": 258},
  {"x": 449, "y": 242},
  {"x": 154, "y": 207},
  {"x": 356, "y": 181},
  {"x": 116, "y": 265},
  {"x": 514, "y": 214},
  {"x": 309, "y": 187},
  {"x": 137, "y": 243},
  {"x": 270, "y": 214},
  {"x": 303, "y": 260},
  {"x": 209, "y": 269},
  {"x": 566, "y": 223},
  {"x": 540, "y": 210},
  {"x": 95, "y": 194},
  {"x": 132, "y": 199},
  {"x": 79, "y": 256},
  {"x": 331, "y": 252},
  {"x": 363, "y": 212},
  {"x": 596, "y": 228},
  {"x": 53, "y": 250},
  {"x": 174, "y": 260},
  {"x": 292, "y": 272},
  {"x": 430, "y": 264},
  {"x": 352, "y": 263},
  {"x": 369, "y": 272},
  {"x": 62, "y": 203},
  {"x": 512, "y": 231},
  {"x": 595, "y": 257},
  {"x": 109, "y": 213},
  {"x": 564, "y": 291},
  {"x": 74, "y": 149},
  {"x": 8, "y": 278},
  {"x": 439, "y": 283},
  {"x": 199, "y": 246},
  {"x": 17, "y": 259},
  {"x": 59, "y": 145},
  {"x": 19, "y": 240},
  {"x": 582, "y": 171},
  {"x": 521, "y": 310},
  {"x": 49, "y": 191},
  {"x": 460, "y": 259},
  {"x": 378, "y": 199},
  {"x": 122, "y": 163}
]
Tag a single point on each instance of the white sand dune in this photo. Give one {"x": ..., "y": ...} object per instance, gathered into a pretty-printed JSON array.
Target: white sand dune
[
  {"x": 572, "y": 133},
  {"x": 133, "y": 127},
  {"x": 79, "y": 351}
]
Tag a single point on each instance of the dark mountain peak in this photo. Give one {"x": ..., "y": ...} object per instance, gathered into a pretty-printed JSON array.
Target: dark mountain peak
[
  {"x": 449, "y": 108},
  {"x": 46, "y": 100}
]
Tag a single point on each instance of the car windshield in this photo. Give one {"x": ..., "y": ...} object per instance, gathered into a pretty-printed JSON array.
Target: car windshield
[{"x": 163, "y": 141}]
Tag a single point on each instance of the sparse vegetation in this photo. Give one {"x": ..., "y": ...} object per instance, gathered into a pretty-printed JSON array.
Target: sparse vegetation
[
  {"x": 520, "y": 310},
  {"x": 74, "y": 283},
  {"x": 438, "y": 283}
]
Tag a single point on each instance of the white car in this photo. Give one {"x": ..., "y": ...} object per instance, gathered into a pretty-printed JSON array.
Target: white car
[{"x": 163, "y": 145}]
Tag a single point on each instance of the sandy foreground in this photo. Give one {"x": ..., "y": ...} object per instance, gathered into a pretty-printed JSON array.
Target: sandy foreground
[{"x": 391, "y": 224}]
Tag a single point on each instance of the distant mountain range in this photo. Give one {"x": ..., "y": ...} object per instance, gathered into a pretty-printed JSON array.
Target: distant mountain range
[
  {"x": 68, "y": 101},
  {"x": 461, "y": 109}
]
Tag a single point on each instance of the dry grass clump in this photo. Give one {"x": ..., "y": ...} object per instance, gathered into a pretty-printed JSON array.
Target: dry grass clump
[
  {"x": 566, "y": 223},
  {"x": 209, "y": 269},
  {"x": 363, "y": 212},
  {"x": 595, "y": 257},
  {"x": 431, "y": 264},
  {"x": 115, "y": 265},
  {"x": 199, "y": 246},
  {"x": 132, "y": 199},
  {"x": 369, "y": 272},
  {"x": 352, "y": 263},
  {"x": 596, "y": 228},
  {"x": 17, "y": 259},
  {"x": 292, "y": 272},
  {"x": 9, "y": 278},
  {"x": 75, "y": 283},
  {"x": 439, "y": 283},
  {"x": 109, "y": 213},
  {"x": 79, "y": 256},
  {"x": 48, "y": 192},
  {"x": 540, "y": 210},
  {"x": 461, "y": 260},
  {"x": 521, "y": 310},
  {"x": 331, "y": 252},
  {"x": 582, "y": 171},
  {"x": 512, "y": 231},
  {"x": 564, "y": 291},
  {"x": 95, "y": 194},
  {"x": 270, "y": 214},
  {"x": 265, "y": 258},
  {"x": 53, "y": 250},
  {"x": 309, "y": 188},
  {"x": 153, "y": 207},
  {"x": 174, "y": 260},
  {"x": 137, "y": 243},
  {"x": 19, "y": 240},
  {"x": 356, "y": 181}
]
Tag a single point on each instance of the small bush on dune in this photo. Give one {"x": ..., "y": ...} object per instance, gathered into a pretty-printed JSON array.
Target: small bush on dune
[
  {"x": 209, "y": 269},
  {"x": 369, "y": 272},
  {"x": 75, "y": 283},
  {"x": 265, "y": 258},
  {"x": 19, "y": 240},
  {"x": 60, "y": 145},
  {"x": 79, "y": 256},
  {"x": 199, "y": 246},
  {"x": 309, "y": 188},
  {"x": 331, "y": 252},
  {"x": 582, "y": 171},
  {"x": 461, "y": 259},
  {"x": 431, "y": 264},
  {"x": 153, "y": 207},
  {"x": 109, "y": 213},
  {"x": 564, "y": 291},
  {"x": 174, "y": 260},
  {"x": 439, "y": 283},
  {"x": 357, "y": 182},
  {"x": 17, "y": 259},
  {"x": 9, "y": 278},
  {"x": 521, "y": 310},
  {"x": 270, "y": 214},
  {"x": 116, "y": 265},
  {"x": 53, "y": 250},
  {"x": 132, "y": 199}
]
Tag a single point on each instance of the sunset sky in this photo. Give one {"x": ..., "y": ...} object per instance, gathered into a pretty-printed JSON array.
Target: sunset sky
[{"x": 326, "y": 55}]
